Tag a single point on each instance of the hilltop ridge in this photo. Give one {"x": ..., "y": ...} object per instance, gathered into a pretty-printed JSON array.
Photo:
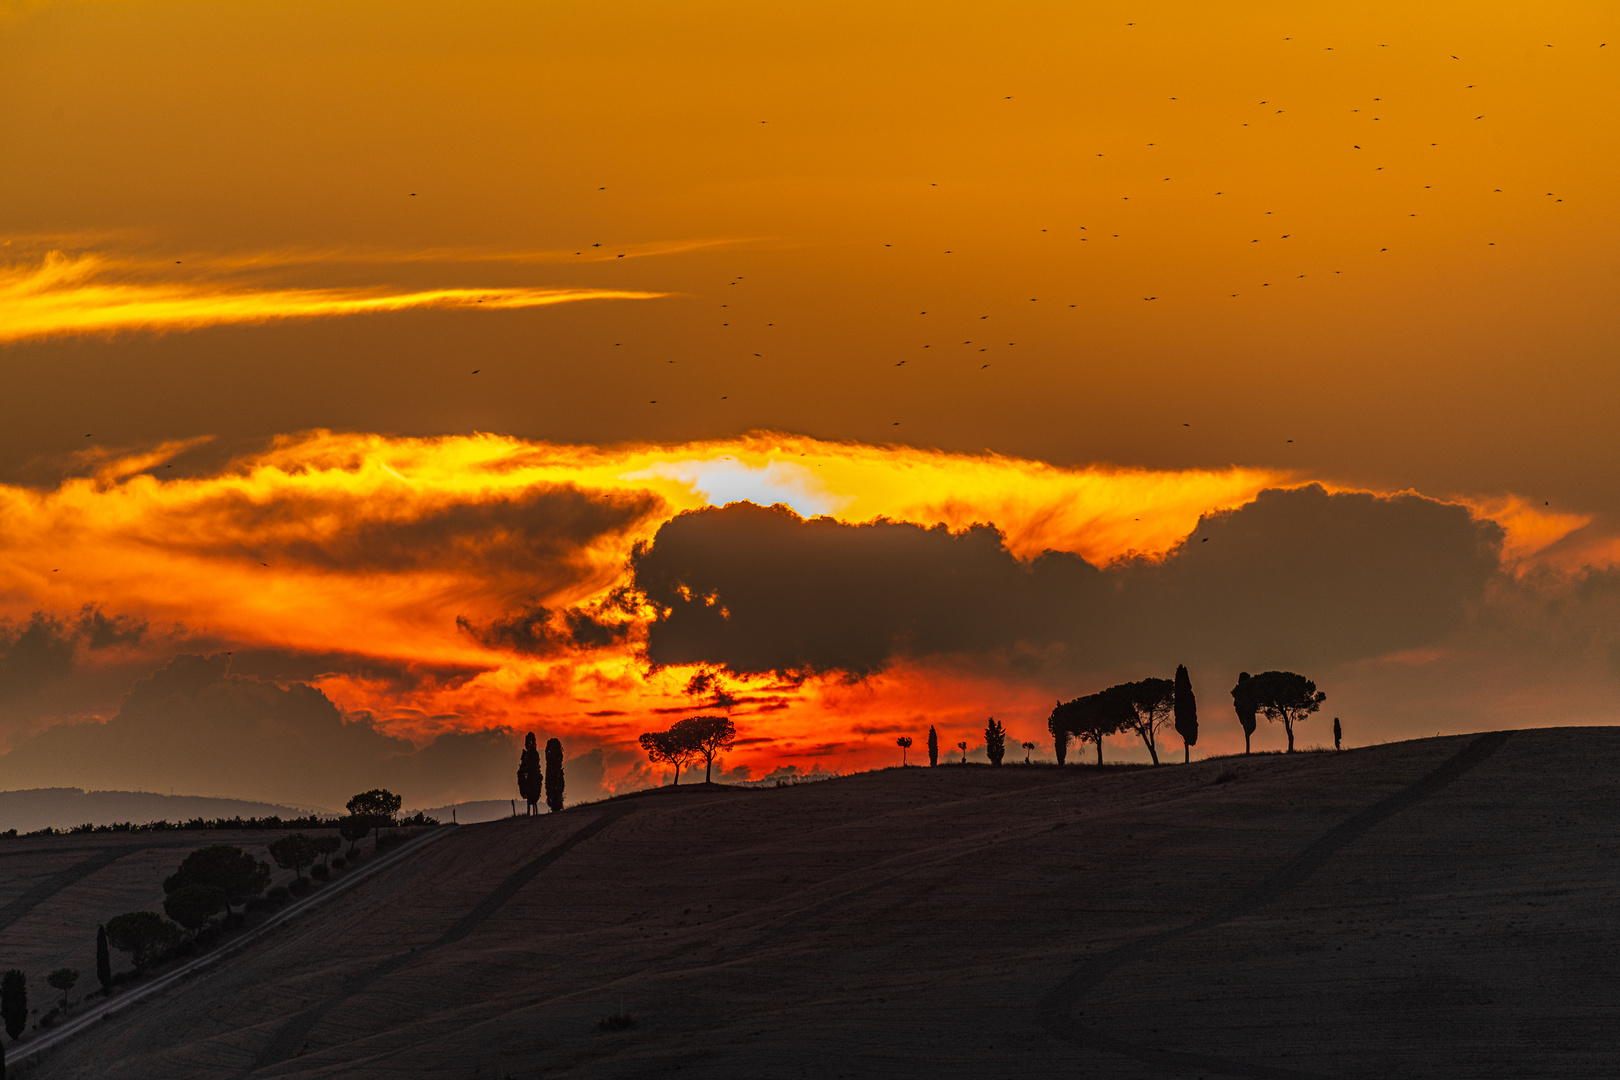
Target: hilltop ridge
[{"x": 926, "y": 921}]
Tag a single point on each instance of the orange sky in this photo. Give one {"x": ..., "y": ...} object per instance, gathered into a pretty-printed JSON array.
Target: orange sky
[{"x": 1055, "y": 267}]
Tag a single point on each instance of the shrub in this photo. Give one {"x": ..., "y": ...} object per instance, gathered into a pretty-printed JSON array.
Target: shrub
[
  {"x": 319, "y": 872},
  {"x": 619, "y": 1021},
  {"x": 278, "y": 895},
  {"x": 339, "y": 863},
  {"x": 299, "y": 886}
]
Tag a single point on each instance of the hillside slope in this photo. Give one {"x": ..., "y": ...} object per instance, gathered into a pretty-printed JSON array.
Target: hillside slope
[{"x": 964, "y": 921}]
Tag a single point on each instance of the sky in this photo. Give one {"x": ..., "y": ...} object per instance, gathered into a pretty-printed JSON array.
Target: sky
[{"x": 385, "y": 381}]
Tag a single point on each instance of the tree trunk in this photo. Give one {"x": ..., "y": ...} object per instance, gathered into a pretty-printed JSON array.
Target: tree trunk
[
  {"x": 708, "y": 768},
  {"x": 1099, "y": 750},
  {"x": 1187, "y": 752},
  {"x": 1288, "y": 726},
  {"x": 1246, "y": 735}
]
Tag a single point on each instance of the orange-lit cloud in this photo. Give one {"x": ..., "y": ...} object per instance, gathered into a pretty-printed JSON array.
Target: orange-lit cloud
[
  {"x": 76, "y": 295},
  {"x": 333, "y": 545}
]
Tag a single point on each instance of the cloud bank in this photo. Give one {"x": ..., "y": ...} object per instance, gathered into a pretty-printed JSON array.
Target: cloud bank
[{"x": 393, "y": 600}]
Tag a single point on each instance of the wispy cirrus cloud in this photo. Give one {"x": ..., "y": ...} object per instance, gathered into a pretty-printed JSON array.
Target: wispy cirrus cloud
[{"x": 90, "y": 294}]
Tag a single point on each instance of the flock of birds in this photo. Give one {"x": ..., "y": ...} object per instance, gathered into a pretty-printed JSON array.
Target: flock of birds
[{"x": 1375, "y": 104}]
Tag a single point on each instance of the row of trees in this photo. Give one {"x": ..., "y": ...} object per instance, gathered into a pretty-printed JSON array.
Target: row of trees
[
  {"x": 1147, "y": 706},
  {"x": 532, "y": 783},
  {"x": 697, "y": 736}
]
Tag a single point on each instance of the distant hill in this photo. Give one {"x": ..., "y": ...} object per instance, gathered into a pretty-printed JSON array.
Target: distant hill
[
  {"x": 470, "y": 813},
  {"x": 63, "y": 808}
]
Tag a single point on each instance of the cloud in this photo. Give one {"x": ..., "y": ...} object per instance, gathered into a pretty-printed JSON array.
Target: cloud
[
  {"x": 196, "y": 727},
  {"x": 54, "y": 668},
  {"x": 65, "y": 295},
  {"x": 1299, "y": 576}
]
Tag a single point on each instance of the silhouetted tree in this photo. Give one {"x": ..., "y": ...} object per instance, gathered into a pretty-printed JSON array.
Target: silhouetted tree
[
  {"x": 708, "y": 736},
  {"x": 1285, "y": 696},
  {"x": 1094, "y": 717},
  {"x": 904, "y": 743},
  {"x": 995, "y": 741},
  {"x": 1145, "y": 706},
  {"x": 379, "y": 805},
  {"x": 1245, "y": 705},
  {"x": 103, "y": 960},
  {"x": 62, "y": 980},
  {"x": 933, "y": 746},
  {"x": 327, "y": 846},
  {"x": 531, "y": 782},
  {"x": 1338, "y": 735},
  {"x": 962, "y": 746},
  {"x": 1056, "y": 725},
  {"x": 224, "y": 867},
  {"x": 1029, "y": 748},
  {"x": 666, "y": 746},
  {"x": 193, "y": 905},
  {"x": 1186, "y": 708},
  {"x": 554, "y": 775},
  {"x": 353, "y": 829},
  {"x": 14, "y": 1003},
  {"x": 294, "y": 853},
  {"x": 142, "y": 934}
]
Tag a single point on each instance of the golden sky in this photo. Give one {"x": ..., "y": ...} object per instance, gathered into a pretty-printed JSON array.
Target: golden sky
[{"x": 1055, "y": 267}]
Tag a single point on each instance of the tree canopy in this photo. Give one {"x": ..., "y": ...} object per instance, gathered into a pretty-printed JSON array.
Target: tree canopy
[
  {"x": 995, "y": 740},
  {"x": 142, "y": 934},
  {"x": 554, "y": 774},
  {"x": 667, "y": 747},
  {"x": 1186, "y": 710},
  {"x": 1286, "y": 696},
  {"x": 531, "y": 782},
  {"x": 224, "y": 867},
  {"x": 1245, "y": 704},
  {"x": 708, "y": 736},
  {"x": 193, "y": 905},
  {"x": 1145, "y": 707},
  {"x": 294, "y": 852},
  {"x": 933, "y": 746},
  {"x": 1056, "y": 726}
]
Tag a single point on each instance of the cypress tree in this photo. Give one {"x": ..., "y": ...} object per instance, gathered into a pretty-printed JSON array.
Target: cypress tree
[
  {"x": 554, "y": 775},
  {"x": 933, "y": 745},
  {"x": 103, "y": 960},
  {"x": 1186, "y": 712},
  {"x": 531, "y": 785},
  {"x": 995, "y": 741},
  {"x": 14, "y": 1003}
]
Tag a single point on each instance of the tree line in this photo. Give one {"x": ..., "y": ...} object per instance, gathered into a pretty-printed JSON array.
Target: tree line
[{"x": 1148, "y": 706}]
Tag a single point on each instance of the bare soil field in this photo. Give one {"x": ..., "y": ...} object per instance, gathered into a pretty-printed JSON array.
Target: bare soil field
[
  {"x": 1437, "y": 908},
  {"x": 55, "y": 891}
]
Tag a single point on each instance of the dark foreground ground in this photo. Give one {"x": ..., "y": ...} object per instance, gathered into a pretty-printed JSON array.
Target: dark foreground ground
[{"x": 1319, "y": 915}]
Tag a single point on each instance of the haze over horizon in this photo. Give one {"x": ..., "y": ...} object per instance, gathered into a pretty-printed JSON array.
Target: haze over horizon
[{"x": 387, "y": 381}]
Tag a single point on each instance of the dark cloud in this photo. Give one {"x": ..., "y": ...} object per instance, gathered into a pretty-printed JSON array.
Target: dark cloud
[
  {"x": 44, "y": 649},
  {"x": 402, "y": 676},
  {"x": 197, "y": 727},
  {"x": 761, "y": 589},
  {"x": 1296, "y": 577},
  {"x": 534, "y": 536},
  {"x": 536, "y": 630}
]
